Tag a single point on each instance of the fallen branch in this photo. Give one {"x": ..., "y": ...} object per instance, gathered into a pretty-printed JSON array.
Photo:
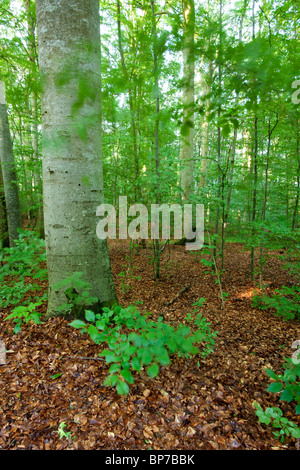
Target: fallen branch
[
  {"x": 185, "y": 288},
  {"x": 87, "y": 358}
]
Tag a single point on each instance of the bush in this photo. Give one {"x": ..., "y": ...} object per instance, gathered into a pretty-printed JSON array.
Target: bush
[
  {"x": 285, "y": 302},
  {"x": 25, "y": 314},
  {"x": 134, "y": 343},
  {"x": 288, "y": 385},
  {"x": 18, "y": 262}
]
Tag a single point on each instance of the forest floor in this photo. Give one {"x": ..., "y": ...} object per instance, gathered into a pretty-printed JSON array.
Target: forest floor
[{"x": 52, "y": 374}]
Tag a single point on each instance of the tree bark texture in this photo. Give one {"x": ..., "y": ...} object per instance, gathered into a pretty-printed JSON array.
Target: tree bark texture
[{"x": 69, "y": 62}]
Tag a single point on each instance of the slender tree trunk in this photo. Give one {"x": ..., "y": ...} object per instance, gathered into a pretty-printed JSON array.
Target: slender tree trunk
[
  {"x": 131, "y": 106},
  {"x": 9, "y": 174},
  {"x": 206, "y": 88},
  {"x": 35, "y": 115},
  {"x": 254, "y": 166},
  {"x": 263, "y": 211},
  {"x": 69, "y": 60},
  {"x": 220, "y": 176},
  {"x": 157, "y": 160},
  {"x": 295, "y": 213},
  {"x": 187, "y": 138},
  {"x": 254, "y": 194},
  {"x": 4, "y": 240}
]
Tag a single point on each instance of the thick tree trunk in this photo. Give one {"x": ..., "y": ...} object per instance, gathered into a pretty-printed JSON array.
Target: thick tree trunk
[
  {"x": 69, "y": 60},
  {"x": 11, "y": 190},
  {"x": 187, "y": 138}
]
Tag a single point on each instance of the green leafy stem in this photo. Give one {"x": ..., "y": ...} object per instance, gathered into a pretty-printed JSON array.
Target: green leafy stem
[{"x": 135, "y": 343}]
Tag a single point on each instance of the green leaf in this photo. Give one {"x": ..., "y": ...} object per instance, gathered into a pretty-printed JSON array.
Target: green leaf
[
  {"x": 114, "y": 368},
  {"x": 146, "y": 356},
  {"x": 136, "y": 365},
  {"x": 275, "y": 387},
  {"x": 153, "y": 370},
  {"x": 271, "y": 374},
  {"x": 109, "y": 356},
  {"x": 122, "y": 388},
  {"x": 127, "y": 375},
  {"x": 17, "y": 328},
  {"x": 90, "y": 316},
  {"x": 111, "y": 380},
  {"x": 101, "y": 324},
  {"x": 287, "y": 395},
  {"x": 78, "y": 324},
  {"x": 93, "y": 332},
  {"x": 55, "y": 376}
]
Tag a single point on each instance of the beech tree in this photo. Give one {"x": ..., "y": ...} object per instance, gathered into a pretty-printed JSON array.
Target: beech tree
[
  {"x": 10, "y": 183},
  {"x": 187, "y": 131},
  {"x": 69, "y": 62}
]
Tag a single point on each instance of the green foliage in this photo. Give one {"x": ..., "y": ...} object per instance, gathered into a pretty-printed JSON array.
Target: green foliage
[
  {"x": 128, "y": 271},
  {"x": 77, "y": 294},
  {"x": 274, "y": 416},
  {"x": 26, "y": 259},
  {"x": 288, "y": 385},
  {"x": 285, "y": 302},
  {"x": 25, "y": 314},
  {"x": 135, "y": 344},
  {"x": 62, "y": 433}
]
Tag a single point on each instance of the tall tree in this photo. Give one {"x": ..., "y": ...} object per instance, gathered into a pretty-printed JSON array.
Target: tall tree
[
  {"x": 69, "y": 61},
  {"x": 187, "y": 130},
  {"x": 10, "y": 183}
]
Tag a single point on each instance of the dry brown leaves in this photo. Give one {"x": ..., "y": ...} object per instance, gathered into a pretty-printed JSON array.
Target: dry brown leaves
[{"x": 48, "y": 379}]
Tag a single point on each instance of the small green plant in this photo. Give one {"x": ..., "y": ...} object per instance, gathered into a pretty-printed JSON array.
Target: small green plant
[
  {"x": 25, "y": 314},
  {"x": 127, "y": 274},
  {"x": 288, "y": 385},
  {"x": 26, "y": 259},
  {"x": 77, "y": 294},
  {"x": 62, "y": 433},
  {"x": 210, "y": 261},
  {"x": 136, "y": 344},
  {"x": 285, "y": 302},
  {"x": 274, "y": 416}
]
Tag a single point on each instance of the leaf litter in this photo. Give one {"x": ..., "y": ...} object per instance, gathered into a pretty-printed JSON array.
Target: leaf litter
[{"x": 52, "y": 374}]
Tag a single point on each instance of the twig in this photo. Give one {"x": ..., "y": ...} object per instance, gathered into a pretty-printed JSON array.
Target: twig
[
  {"x": 87, "y": 358},
  {"x": 185, "y": 288}
]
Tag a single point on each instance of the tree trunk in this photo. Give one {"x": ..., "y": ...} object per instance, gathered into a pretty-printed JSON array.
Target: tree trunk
[
  {"x": 11, "y": 190},
  {"x": 4, "y": 240},
  {"x": 295, "y": 213},
  {"x": 187, "y": 138},
  {"x": 69, "y": 60},
  {"x": 156, "y": 133},
  {"x": 206, "y": 89},
  {"x": 34, "y": 114}
]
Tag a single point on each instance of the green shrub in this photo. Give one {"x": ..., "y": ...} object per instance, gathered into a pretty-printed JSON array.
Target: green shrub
[
  {"x": 77, "y": 295},
  {"x": 274, "y": 416},
  {"x": 135, "y": 343},
  {"x": 288, "y": 385},
  {"x": 25, "y": 314},
  {"x": 285, "y": 302},
  {"x": 18, "y": 262}
]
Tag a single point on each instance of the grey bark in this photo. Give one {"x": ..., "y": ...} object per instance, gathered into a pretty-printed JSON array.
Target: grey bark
[
  {"x": 187, "y": 139},
  {"x": 69, "y": 62},
  {"x": 9, "y": 174}
]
